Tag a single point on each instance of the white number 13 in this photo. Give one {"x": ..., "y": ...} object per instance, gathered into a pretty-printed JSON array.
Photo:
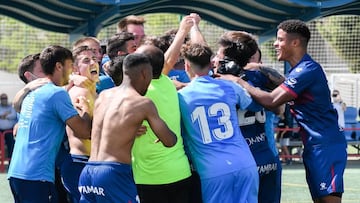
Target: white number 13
[{"x": 201, "y": 116}]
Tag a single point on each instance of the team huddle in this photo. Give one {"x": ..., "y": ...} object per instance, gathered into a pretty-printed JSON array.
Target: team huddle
[{"x": 122, "y": 131}]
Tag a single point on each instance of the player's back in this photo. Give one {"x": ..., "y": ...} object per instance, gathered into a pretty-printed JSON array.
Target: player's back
[
  {"x": 118, "y": 114},
  {"x": 215, "y": 143}
]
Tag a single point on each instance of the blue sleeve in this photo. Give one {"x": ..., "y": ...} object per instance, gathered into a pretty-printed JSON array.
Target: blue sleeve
[
  {"x": 62, "y": 105},
  {"x": 301, "y": 78},
  {"x": 256, "y": 79},
  {"x": 105, "y": 82},
  {"x": 254, "y": 106},
  {"x": 244, "y": 100}
]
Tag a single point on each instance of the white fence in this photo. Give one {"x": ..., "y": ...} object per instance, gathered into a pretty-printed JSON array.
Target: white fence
[{"x": 349, "y": 86}]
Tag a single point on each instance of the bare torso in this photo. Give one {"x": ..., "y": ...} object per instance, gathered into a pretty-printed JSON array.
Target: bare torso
[
  {"x": 118, "y": 114},
  {"x": 77, "y": 145}
]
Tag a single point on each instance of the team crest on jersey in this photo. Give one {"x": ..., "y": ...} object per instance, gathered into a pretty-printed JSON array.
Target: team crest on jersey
[
  {"x": 299, "y": 69},
  {"x": 291, "y": 82}
]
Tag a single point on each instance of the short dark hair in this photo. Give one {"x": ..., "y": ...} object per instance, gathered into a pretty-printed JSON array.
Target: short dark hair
[
  {"x": 51, "y": 55},
  {"x": 238, "y": 46},
  {"x": 198, "y": 55},
  {"x": 118, "y": 43},
  {"x": 132, "y": 62},
  {"x": 115, "y": 69},
  {"x": 294, "y": 26},
  {"x": 167, "y": 39},
  {"x": 260, "y": 54},
  {"x": 27, "y": 64}
]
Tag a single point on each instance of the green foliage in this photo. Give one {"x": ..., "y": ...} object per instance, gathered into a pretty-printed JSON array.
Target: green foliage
[
  {"x": 18, "y": 40},
  {"x": 268, "y": 51},
  {"x": 156, "y": 25},
  {"x": 344, "y": 37}
]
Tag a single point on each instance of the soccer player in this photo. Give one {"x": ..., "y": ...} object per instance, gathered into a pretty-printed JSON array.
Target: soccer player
[
  {"x": 85, "y": 64},
  {"x": 118, "y": 114},
  {"x": 306, "y": 89},
  {"x": 215, "y": 144},
  {"x": 236, "y": 49},
  {"x": 44, "y": 115}
]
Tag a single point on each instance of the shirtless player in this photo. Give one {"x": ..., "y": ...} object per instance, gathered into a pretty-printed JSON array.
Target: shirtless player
[
  {"x": 85, "y": 64},
  {"x": 118, "y": 114}
]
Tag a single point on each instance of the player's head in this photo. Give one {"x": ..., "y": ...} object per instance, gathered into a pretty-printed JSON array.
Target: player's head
[
  {"x": 296, "y": 28},
  {"x": 235, "y": 50},
  {"x": 93, "y": 43},
  {"x": 133, "y": 24},
  {"x": 30, "y": 69},
  {"x": 137, "y": 71},
  {"x": 86, "y": 63},
  {"x": 57, "y": 61},
  {"x": 115, "y": 69},
  {"x": 121, "y": 43},
  {"x": 256, "y": 58},
  {"x": 156, "y": 57},
  {"x": 197, "y": 59},
  {"x": 292, "y": 38}
]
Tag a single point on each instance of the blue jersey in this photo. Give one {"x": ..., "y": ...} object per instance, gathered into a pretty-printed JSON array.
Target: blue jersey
[
  {"x": 105, "y": 82},
  {"x": 179, "y": 75},
  {"x": 312, "y": 107},
  {"x": 40, "y": 133},
  {"x": 257, "y": 79},
  {"x": 252, "y": 125},
  {"x": 210, "y": 128}
]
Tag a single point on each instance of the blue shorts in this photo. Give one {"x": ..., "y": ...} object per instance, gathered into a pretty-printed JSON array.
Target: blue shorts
[
  {"x": 70, "y": 172},
  {"x": 269, "y": 169},
  {"x": 32, "y": 191},
  {"x": 107, "y": 182},
  {"x": 325, "y": 169},
  {"x": 277, "y": 194},
  {"x": 239, "y": 186}
]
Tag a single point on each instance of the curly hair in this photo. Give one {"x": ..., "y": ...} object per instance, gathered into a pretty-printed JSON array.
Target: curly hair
[{"x": 298, "y": 27}]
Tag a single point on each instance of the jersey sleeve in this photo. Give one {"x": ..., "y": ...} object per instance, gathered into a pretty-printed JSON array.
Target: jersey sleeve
[
  {"x": 243, "y": 99},
  {"x": 62, "y": 105},
  {"x": 300, "y": 78}
]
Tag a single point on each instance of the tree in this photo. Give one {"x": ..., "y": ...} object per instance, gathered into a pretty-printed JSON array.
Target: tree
[
  {"x": 343, "y": 34},
  {"x": 18, "y": 40}
]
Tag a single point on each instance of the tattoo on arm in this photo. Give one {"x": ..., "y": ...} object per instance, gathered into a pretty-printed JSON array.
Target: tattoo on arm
[{"x": 275, "y": 78}]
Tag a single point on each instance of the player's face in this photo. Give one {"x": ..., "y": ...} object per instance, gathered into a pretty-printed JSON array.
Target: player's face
[
  {"x": 138, "y": 31},
  {"x": 283, "y": 46},
  {"x": 37, "y": 71},
  {"x": 217, "y": 58},
  {"x": 87, "y": 65},
  {"x": 96, "y": 48},
  {"x": 130, "y": 46},
  {"x": 67, "y": 70}
]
